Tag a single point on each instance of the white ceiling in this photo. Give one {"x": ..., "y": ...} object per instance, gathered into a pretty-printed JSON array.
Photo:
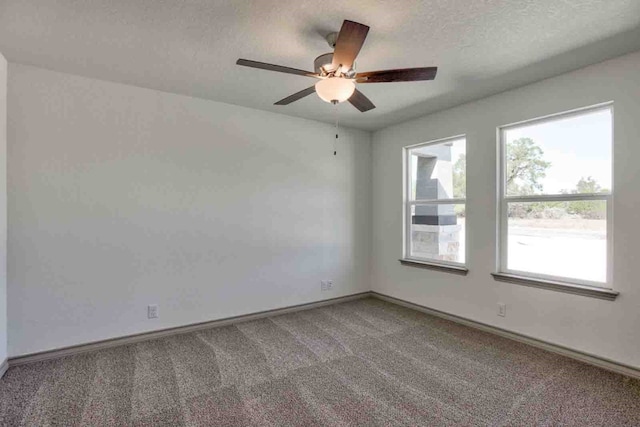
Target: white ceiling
[{"x": 190, "y": 46}]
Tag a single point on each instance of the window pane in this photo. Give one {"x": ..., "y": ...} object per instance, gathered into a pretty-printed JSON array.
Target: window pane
[
  {"x": 561, "y": 239},
  {"x": 438, "y": 232},
  {"x": 560, "y": 156},
  {"x": 438, "y": 171}
]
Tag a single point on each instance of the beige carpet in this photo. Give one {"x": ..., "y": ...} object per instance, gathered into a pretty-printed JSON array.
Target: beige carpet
[{"x": 361, "y": 363}]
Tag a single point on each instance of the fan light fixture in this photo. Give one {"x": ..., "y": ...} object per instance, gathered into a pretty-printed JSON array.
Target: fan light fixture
[
  {"x": 335, "y": 89},
  {"x": 337, "y": 72}
]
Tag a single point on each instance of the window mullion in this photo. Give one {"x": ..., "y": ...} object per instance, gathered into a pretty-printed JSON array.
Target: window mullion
[{"x": 438, "y": 202}]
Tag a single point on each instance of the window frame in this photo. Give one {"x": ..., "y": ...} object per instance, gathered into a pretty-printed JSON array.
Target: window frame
[
  {"x": 408, "y": 203},
  {"x": 503, "y": 201}
]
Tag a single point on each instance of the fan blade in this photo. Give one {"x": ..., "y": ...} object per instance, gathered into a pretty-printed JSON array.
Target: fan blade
[
  {"x": 402, "y": 75},
  {"x": 299, "y": 95},
  {"x": 361, "y": 102},
  {"x": 278, "y": 68},
  {"x": 350, "y": 40}
]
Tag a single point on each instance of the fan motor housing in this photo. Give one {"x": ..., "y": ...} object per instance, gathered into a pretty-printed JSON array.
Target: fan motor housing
[{"x": 323, "y": 63}]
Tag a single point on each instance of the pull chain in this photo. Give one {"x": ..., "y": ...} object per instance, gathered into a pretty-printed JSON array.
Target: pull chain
[{"x": 335, "y": 141}]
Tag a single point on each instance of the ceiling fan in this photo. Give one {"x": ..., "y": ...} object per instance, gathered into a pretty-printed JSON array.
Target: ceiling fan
[{"x": 337, "y": 74}]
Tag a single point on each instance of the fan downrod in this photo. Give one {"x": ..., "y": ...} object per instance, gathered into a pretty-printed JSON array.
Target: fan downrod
[{"x": 331, "y": 39}]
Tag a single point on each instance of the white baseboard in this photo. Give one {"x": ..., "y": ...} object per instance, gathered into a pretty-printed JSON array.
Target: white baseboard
[
  {"x": 4, "y": 366},
  {"x": 590, "y": 359},
  {"x": 146, "y": 336}
]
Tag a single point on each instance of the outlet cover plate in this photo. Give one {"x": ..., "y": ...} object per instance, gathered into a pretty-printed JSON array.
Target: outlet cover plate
[
  {"x": 502, "y": 310},
  {"x": 326, "y": 285},
  {"x": 152, "y": 311}
]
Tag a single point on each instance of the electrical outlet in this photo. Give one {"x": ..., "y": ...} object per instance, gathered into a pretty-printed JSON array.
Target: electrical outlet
[
  {"x": 326, "y": 285},
  {"x": 502, "y": 310},
  {"x": 152, "y": 311}
]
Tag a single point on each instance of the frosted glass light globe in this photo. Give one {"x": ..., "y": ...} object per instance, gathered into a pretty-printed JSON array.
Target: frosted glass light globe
[{"x": 335, "y": 89}]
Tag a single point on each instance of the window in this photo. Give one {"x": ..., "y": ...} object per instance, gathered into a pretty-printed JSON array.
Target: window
[
  {"x": 555, "y": 197},
  {"x": 435, "y": 187}
]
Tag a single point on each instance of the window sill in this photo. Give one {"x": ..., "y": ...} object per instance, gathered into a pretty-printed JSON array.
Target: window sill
[
  {"x": 587, "y": 291},
  {"x": 433, "y": 266}
]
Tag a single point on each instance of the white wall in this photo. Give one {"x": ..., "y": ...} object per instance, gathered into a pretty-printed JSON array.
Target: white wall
[
  {"x": 120, "y": 197},
  {"x": 3, "y": 209},
  {"x": 607, "y": 329}
]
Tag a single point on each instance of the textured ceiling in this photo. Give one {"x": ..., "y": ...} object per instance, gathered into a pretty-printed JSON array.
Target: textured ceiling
[{"x": 190, "y": 46}]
